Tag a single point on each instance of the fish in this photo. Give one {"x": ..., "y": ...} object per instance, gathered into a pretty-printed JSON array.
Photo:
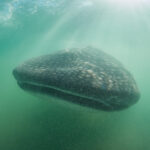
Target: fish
[{"x": 85, "y": 76}]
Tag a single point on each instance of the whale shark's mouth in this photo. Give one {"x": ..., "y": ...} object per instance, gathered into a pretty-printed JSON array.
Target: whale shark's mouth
[{"x": 65, "y": 95}]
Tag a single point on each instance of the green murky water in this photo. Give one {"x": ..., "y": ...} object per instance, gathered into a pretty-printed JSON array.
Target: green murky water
[{"x": 32, "y": 28}]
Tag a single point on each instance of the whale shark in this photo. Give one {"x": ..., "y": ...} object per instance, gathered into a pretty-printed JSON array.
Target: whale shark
[{"x": 84, "y": 76}]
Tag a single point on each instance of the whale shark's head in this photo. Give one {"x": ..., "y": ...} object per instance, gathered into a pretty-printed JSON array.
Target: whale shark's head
[{"x": 87, "y": 76}]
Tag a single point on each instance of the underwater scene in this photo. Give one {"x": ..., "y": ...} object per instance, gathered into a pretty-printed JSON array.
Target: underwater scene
[{"x": 74, "y": 74}]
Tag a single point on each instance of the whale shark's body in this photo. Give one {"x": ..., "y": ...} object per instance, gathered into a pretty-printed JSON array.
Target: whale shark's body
[{"x": 85, "y": 76}]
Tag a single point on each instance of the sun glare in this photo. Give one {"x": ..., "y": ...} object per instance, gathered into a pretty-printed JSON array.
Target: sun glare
[{"x": 128, "y": 2}]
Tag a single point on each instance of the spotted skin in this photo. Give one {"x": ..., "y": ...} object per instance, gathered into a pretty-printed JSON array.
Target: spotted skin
[{"x": 86, "y": 76}]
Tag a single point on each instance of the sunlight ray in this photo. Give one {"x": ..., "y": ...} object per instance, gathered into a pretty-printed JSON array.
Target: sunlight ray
[{"x": 45, "y": 40}]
